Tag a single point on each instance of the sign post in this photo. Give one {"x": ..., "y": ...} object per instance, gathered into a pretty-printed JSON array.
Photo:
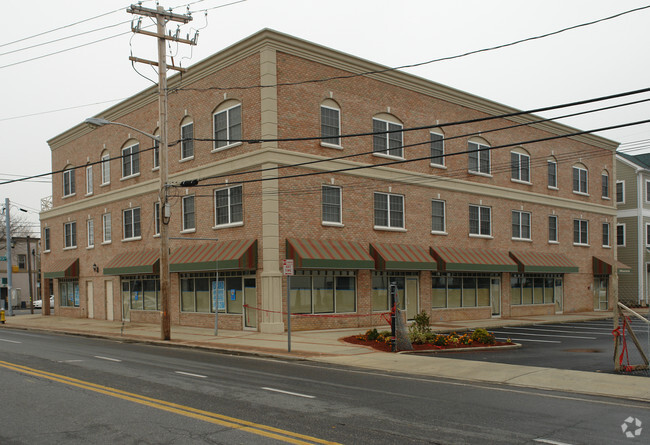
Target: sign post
[{"x": 287, "y": 270}]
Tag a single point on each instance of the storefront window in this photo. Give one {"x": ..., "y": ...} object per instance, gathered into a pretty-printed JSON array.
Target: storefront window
[
  {"x": 69, "y": 293},
  {"x": 320, "y": 292},
  {"x": 458, "y": 290},
  {"x": 141, "y": 292},
  {"x": 534, "y": 288},
  {"x": 200, "y": 292}
]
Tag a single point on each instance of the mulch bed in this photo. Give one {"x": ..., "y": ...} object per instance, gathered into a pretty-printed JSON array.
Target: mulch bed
[{"x": 385, "y": 347}]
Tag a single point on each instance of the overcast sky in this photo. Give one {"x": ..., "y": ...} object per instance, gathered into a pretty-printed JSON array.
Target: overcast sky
[{"x": 592, "y": 61}]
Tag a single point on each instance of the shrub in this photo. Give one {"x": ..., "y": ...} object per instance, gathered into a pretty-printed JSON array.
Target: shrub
[
  {"x": 440, "y": 340},
  {"x": 482, "y": 336},
  {"x": 421, "y": 322},
  {"x": 372, "y": 335}
]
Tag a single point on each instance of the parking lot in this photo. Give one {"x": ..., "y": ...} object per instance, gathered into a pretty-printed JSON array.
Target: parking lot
[{"x": 583, "y": 346}]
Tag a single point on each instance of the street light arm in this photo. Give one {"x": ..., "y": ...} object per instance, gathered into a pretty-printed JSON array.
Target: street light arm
[{"x": 99, "y": 122}]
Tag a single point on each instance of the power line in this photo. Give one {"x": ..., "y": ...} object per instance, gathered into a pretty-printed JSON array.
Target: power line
[{"x": 60, "y": 109}]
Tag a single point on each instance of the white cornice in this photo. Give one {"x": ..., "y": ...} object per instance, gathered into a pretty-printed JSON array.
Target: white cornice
[{"x": 327, "y": 56}]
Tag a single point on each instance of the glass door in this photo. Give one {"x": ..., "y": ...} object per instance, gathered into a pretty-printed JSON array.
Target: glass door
[
  {"x": 250, "y": 300},
  {"x": 495, "y": 296},
  {"x": 559, "y": 296}
]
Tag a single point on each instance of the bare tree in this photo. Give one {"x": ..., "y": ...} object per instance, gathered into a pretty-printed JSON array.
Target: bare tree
[{"x": 19, "y": 226}]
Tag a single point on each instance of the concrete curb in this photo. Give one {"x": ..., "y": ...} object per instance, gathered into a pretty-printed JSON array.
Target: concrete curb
[{"x": 459, "y": 350}]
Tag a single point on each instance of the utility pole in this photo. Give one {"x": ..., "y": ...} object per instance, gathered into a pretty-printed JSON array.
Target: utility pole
[
  {"x": 29, "y": 275},
  {"x": 9, "y": 267},
  {"x": 162, "y": 17}
]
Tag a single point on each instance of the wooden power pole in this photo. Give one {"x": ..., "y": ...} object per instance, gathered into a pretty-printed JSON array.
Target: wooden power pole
[{"x": 162, "y": 17}]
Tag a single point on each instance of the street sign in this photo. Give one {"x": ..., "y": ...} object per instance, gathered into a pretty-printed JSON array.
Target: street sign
[
  {"x": 287, "y": 267},
  {"x": 3, "y": 258}
]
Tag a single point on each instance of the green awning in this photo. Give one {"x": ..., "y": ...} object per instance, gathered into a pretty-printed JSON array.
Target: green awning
[
  {"x": 542, "y": 262},
  {"x": 454, "y": 259},
  {"x": 328, "y": 254},
  {"x": 602, "y": 267},
  {"x": 402, "y": 257},
  {"x": 222, "y": 255},
  {"x": 63, "y": 268},
  {"x": 145, "y": 261}
]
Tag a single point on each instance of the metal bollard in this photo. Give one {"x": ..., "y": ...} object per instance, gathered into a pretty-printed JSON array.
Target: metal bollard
[{"x": 2, "y": 316}]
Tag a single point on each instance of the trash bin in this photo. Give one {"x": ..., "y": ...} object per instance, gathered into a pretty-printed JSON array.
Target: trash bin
[{"x": 23, "y": 305}]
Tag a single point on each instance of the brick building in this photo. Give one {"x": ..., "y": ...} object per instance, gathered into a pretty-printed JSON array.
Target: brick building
[{"x": 470, "y": 220}]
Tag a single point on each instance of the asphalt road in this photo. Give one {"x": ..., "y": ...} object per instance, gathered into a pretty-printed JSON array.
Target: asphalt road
[
  {"x": 66, "y": 389},
  {"x": 584, "y": 346}
]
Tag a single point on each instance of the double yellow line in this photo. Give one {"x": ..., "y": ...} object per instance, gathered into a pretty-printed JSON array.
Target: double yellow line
[{"x": 206, "y": 416}]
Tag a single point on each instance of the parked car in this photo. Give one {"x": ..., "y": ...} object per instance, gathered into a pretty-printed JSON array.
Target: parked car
[{"x": 38, "y": 304}]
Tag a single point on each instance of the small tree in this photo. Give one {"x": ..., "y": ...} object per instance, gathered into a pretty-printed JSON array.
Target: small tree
[{"x": 19, "y": 226}]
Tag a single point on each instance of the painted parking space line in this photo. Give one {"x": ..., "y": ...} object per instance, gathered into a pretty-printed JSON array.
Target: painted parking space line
[
  {"x": 544, "y": 335},
  {"x": 9, "y": 341},
  {"x": 602, "y": 328},
  {"x": 191, "y": 374},
  {"x": 107, "y": 358},
  {"x": 551, "y": 442},
  {"x": 556, "y": 330},
  {"x": 528, "y": 339}
]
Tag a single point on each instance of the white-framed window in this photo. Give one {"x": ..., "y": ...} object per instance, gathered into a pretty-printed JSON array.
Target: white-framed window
[
  {"x": 581, "y": 232},
  {"x": 189, "y": 216},
  {"x": 438, "y": 223},
  {"x": 388, "y": 138},
  {"x": 69, "y": 187},
  {"x": 131, "y": 223},
  {"x": 580, "y": 180},
  {"x": 620, "y": 192},
  {"x": 106, "y": 168},
  {"x": 620, "y": 235},
  {"x": 605, "y": 185},
  {"x": 227, "y": 127},
  {"x": 552, "y": 174},
  {"x": 228, "y": 206},
  {"x": 389, "y": 210},
  {"x": 331, "y": 204},
  {"x": 89, "y": 180},
  {"x": 480, "y": 220},
  {"x": 156, "y": 218},
  {"x": 46, "y": 239},
  {"x": 106, "y": 228},
  {"x": 552, "y": 229},
  {"x": 606, "y": 235},
  {"x": 130, "y": 160},
  {"x": 90, "y": 232},
  {"x": 647, "y": 191},
  {"x": 70, "y": 235},
  {"x": 478, "y": 158},
  {"x": 187, "y": 141},
  {"x": 437, "y": 149},
  {"x": 647, "y": 235},
  {"x": 330, "y": 125},
  {"x": 520, "y": 225},
  {"x": 519, "y": 166},
  {"x": 156, "y": 150}
]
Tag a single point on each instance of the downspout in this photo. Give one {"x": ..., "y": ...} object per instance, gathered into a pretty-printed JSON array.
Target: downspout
[{"x": 640, "y": 237}]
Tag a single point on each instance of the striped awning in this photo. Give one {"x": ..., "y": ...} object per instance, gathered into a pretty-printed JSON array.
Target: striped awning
[
  {"x": 473, "y": 260},
  {"x": 63, "y": 268},
  {"x": 602, "y": 267},
  {"x": 402, "y": 257},
  {"x": 222, "y": 255},
  {"x": 145, "y": 261},
  {"x": 328, "y": 254},
  {"x": 542, "y": 262}
]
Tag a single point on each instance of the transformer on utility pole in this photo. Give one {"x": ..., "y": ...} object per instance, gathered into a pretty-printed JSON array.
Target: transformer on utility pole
[{"x": 161, "y": 16}]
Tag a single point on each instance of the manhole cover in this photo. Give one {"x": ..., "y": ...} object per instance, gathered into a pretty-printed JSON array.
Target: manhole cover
[{"x": 583, "y": 350}]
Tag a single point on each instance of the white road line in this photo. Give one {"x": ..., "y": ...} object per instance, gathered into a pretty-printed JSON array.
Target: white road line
[
  {"x": 529, "y": 339},
  {"x": 552, "y": 442},
  {"x": 10, "y": 341},
  {"x": 192, "y": 375},
  {"x": 557, "y": 330},
  {"x": 288, "y": 392},
  {"x": 107, "y": 358},
  {"x": 544, "y": 335},
  {"x": 575, "y": 327},
  {"x": 69, "y": 361}
]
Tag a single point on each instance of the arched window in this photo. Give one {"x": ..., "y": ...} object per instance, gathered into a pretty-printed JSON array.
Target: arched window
[
  {"x": 156, "y": 150},
  {"x": 388, "y": 137},
  {"x": 330, "y": 123},
  {"x": 605, "y": 184},
  {"x": 187, "y": 138},
  {"x": 520, "y": 165},
  {"x": 69, "y": 187},
  {"x": 479, "y": 156},
  {"x": 552, "y": 172},
  {"x": 580, "y": 179},
  {"x": 130, "y": 158},
  {"x": 105, "y": 167},
  {"x": 227, "y": 124}
]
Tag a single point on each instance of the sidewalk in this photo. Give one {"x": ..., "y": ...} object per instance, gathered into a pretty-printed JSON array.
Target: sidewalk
[{"x": 325, "y": 346}]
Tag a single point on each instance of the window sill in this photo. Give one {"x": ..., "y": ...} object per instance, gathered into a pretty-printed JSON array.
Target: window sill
[
  {"x": 70, "y": 248},
  {"x": 155, "y": 169},
  {"x": 390, "y": 229},
  {"x": 68, "y": 196},
  {"x": 485, "y": 175},
  {"x": 90, "y": 247},
  {"x": 225, "y": 226},
  {"x": 606, "y": 198},
  {"x": 104, "y": 184},
  {"x": 476, "y": 235},
  {"x": 332, "y": 224},
  {"x": 554, "y": 242},
  {"x": 335, "y": 146},
  {"x": 104, "y": 243},
  {"x": 88, "y": 194},
  {"x": 136, "y": 238},
  {"x": 188, "y": 230},
  {"x": 441, "y": 166},
  {"x": 157, "y": 235},
  {"x": 581, "y": 245},
  {"x": 580, "y": 193},
  {"x": 435, "y": 232},
  {"x": 387, "y": 156},
  {"x": 190, "y": 158},
  {"x": 525, "y": 240},
  {"x": 519, "y": 181},
  {"x": 46, "y": 251},
  {"x": 607, "y": 247},
  {"x": 550, "y": 187},
  {"x": 124, "y": 178},
  {"x": 225, "y": 147}
]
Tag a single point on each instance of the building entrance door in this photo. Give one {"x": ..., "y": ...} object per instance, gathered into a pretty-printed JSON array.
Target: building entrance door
[
  {"x": 495, "y": 296},
  {"x": 90, "y": 299},
  {"x": 601, "y": 293},
  {"x": 250, "y": 300},
  {"x": 108, "y": 287}
]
